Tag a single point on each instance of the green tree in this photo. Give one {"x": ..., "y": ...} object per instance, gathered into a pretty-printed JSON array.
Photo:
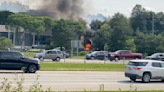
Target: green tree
[
  {"x": 138, "y": 19},
  {"x": 121, "y": 32},
  {"x": 5, "y": 43},
  {"x": 149, "y": 43},
  {"x": 3, "y": 16},
  {"x": 96, "y": 24},
  {"x": 101, "y": 37},
  {"x": 29, "y": 24},
  {"x": 130, "y": 45},
  {"x": 64, "y": 31}
]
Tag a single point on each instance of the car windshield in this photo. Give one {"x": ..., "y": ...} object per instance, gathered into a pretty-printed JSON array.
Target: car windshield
[
  {"x": 118, "y": 51},
  {"x": 44, "y": 52},
  {"x": 94, "y": 52},
  {"x": 154, "y": 55}
]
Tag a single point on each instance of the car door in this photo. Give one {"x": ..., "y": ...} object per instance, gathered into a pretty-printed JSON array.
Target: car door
[
  {"x": 7, "y": 61},
  {"x": 97, "y": 55},
  {"x": 18, "y": 60},
  {"x": 101, "y": 55},
  {"x": 48, "y": 55},
  {"x": 163, "y": 70},
  {"x": 53, "y": 54},
  {"x": 160, "y": 57},
  {"x": 156, "y": 70},
  {"x": 125, "y": 54}
]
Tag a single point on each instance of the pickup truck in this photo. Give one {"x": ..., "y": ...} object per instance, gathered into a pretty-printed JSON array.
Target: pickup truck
[{"x": 127, "y": 54}]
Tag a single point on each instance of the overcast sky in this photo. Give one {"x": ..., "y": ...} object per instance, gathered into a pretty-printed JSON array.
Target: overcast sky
[{"x": 109, "y": 7}]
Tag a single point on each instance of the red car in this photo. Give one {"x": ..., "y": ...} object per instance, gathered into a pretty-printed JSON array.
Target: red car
[{"x": 127, "y": 54}]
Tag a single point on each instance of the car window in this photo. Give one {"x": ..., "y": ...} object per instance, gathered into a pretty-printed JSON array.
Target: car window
[
  {"x": 7, "y": 55},
  {"x": 59, "y": 52},
  {"x": 137, "y": 63},
  {"x": 125, "y": 52},
  {"x": 156, "y": 65},
  {"x": 54, "y": 52},
  {"x": 160, "y": 56},
  {"x": 162, "y": 65},
  {"x": 17, "y": 55},
  {"x": 48, "y": 52},
  {"x": 101, "y": 53}
]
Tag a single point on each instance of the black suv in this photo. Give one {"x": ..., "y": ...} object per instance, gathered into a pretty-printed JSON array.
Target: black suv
[
  {"x": 101, "y": 55},
  {"x": 17, "y": 61}
]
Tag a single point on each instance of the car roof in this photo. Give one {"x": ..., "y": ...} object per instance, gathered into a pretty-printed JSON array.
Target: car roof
[
  {"x": 145, "y": 60},
  {"x": 158, "y": 53}
]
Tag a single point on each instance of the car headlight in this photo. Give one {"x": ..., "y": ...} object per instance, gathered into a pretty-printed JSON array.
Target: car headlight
[{"x": 39, "y": 61}]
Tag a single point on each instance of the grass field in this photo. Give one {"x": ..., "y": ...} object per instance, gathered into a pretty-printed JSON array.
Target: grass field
[
  {"x": 81, "y": 67},
  {"x": 29, "y": 54}
]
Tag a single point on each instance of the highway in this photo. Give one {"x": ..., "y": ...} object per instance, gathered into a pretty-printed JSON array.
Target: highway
[
  {"x": 89, "y": 61},
  {"x": 79, "y": 80}
]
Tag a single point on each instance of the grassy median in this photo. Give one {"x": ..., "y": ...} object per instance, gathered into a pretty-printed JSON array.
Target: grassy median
[{"x": 81, "y": 67}]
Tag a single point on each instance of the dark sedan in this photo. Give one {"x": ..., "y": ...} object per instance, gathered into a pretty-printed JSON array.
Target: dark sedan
[
  {"x": 101, "y": 55},
  {"x": 156, "y": 56}
]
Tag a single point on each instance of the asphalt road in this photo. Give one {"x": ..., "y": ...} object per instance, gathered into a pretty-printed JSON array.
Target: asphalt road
[
  {"x": 77, "y": 81},
  {"x": 89, "y": 61}
]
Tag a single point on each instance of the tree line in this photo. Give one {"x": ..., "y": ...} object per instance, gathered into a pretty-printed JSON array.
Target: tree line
[
  {"x": 118, "y": 33},
  {"x": 134, "y": 33},
  {"x": 63, "y": 31}
]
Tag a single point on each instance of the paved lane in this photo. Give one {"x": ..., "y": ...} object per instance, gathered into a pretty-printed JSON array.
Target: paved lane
[{"x": 77, "y": 81}]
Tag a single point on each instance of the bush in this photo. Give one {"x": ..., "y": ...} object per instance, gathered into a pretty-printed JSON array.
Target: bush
[{"x": 83, "y": 53}]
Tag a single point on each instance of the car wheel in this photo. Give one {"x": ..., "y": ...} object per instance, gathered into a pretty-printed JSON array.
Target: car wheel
[
  {"x": 146, "y": 78},
  {"x": 137, "y": 58},
  {"x": 116, "y": 59},
  {"x": 41, "y": 59},
  {"x": 58, "y": 59},
  {"x": 92, "y": 58},
  {"x": 162, "y": 80},
  {"x": 132, "y": 79},
  {"x": 32, "y": 68},
  {"x": 53, "y": 59}
]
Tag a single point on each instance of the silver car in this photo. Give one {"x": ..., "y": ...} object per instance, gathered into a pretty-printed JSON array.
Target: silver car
[
  {"x": 55, "y": 55},
  {"x": 145, "y": 70}
]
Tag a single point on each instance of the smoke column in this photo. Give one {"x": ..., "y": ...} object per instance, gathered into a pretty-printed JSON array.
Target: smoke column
[{"x": 67, "y": 9}]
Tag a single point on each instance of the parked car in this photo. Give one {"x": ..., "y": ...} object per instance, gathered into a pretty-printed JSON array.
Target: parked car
[
  {"x": 156, "y": 56},
  {"x": 64, "y": 52},
  {"x": 17, "y": 61},
  {"x": 36, "y": 48},
  {"x": 55, "y": 55},
  {"x": 127, "y": 54},
  {"x": 101, "y": 55},
  {"x": 145, "y": 70}
]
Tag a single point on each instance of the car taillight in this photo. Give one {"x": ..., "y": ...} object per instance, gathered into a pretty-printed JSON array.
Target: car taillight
[{"x": 137, "y": 68}]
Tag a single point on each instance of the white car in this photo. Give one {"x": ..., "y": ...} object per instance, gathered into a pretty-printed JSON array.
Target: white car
[{"x": 145, "y": 70}]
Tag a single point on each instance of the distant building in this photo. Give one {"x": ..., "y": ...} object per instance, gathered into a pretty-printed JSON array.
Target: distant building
[{"x": 30, "y": 39}]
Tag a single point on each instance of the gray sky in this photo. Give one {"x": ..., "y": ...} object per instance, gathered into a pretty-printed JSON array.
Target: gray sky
[{"x": 109, "y": 7}]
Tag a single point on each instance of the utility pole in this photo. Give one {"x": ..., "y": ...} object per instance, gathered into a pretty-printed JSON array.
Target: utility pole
[{"x": 153, "y": 24}]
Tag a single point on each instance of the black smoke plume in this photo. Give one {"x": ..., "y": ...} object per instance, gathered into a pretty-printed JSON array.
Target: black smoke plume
[{"x": 57, "y": 9}]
